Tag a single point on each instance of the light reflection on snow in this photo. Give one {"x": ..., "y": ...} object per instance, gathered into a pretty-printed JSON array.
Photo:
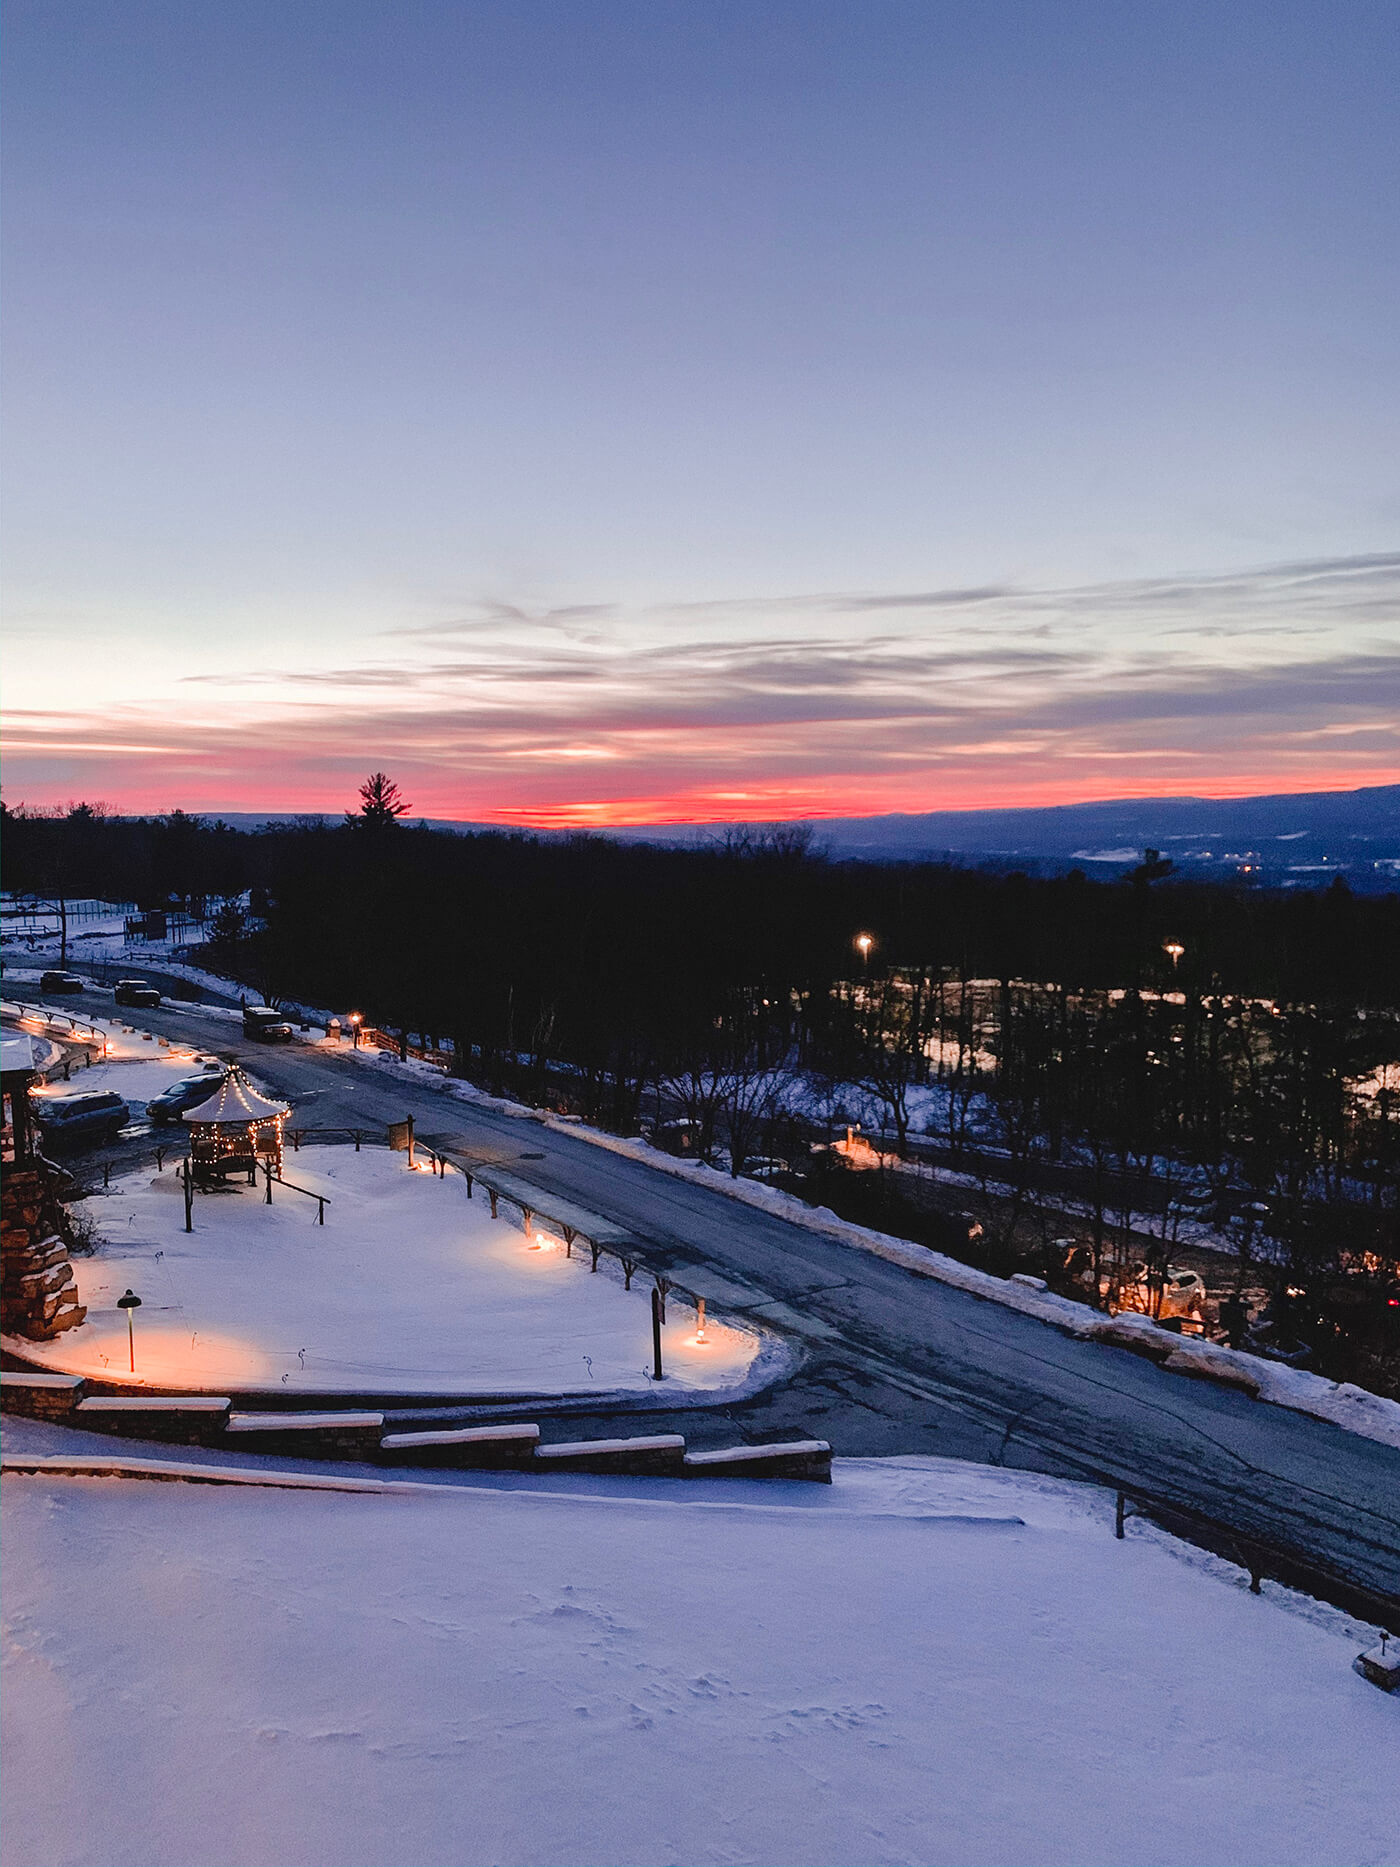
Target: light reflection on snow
[{"x": 409, "y": 1287}]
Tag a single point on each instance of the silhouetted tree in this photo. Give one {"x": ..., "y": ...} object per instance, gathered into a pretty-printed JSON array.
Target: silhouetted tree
[{"x": 381, "y": 804}]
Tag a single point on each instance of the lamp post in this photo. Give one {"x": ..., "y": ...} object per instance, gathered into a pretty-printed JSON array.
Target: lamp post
[
  {"x": 863, "y": 943},
  {"x": 355, "y": 1029},
  {"x": 656, "y": 1334},
  {"x": 130, "y": 1303},
  {"x": 1173, "y": 950}
]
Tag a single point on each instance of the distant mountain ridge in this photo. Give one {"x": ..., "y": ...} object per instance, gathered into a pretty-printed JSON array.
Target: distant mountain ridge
[{"x": 1293, "y": 838}]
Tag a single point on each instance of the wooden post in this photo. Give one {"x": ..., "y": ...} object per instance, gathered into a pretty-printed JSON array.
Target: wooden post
[
  {"x": 595, "y": 1249},
  {"x": 1118, "y": 1518},
  {"x": 320, "y": 1211},
  {"x": 526, "y": 1218},
  {"x": 189, "y": 1197},
  {"x": 267, "y": 1169},
  {"x": 628, "y": 1267},
  {"x": 469, "y": 1184},
  {"x": 656, "y": 1331},
  {"x": 409, "y": 1120},
  {"x": 492, "y": 1195}
]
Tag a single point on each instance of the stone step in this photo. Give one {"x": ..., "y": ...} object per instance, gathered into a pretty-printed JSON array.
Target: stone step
[
  {"x": 469, "y": 1447},
  {"x": 655, "y": 1455},
  {"x": 808, "y": 1459},
  {"x": 41, "y": 1396},
  {"x": 178, "y": 1419},
  {"x": 309, "y": 1435}
]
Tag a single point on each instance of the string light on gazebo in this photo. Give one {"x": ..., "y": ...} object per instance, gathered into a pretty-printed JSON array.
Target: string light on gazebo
[{"x": 236, "y": 1123}]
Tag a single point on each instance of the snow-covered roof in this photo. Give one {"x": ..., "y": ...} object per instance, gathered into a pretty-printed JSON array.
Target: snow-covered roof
[
  {"x": 16, "y": 1052},
  {"x": 236, "y": 1101}
]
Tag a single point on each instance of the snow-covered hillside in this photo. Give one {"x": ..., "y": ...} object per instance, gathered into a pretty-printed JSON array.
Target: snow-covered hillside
[{"x": 927, "y": 1663}]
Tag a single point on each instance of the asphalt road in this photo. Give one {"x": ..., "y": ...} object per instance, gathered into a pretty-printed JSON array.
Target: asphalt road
[{"x": 891, "y": 1362}]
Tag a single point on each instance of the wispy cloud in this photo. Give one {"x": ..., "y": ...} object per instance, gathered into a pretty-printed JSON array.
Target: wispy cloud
[{"x": 1286, "y": 677}]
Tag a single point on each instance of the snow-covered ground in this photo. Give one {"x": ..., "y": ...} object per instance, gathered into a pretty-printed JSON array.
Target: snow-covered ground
[
  {"x": 1345, "y": 1405},
  {"x": 137, "y": 1066},
  {"x": 894, "y": 1670},
  {"x": 409, "y": 1287}
]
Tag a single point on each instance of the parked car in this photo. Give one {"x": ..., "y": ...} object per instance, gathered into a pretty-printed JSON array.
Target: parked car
[
  {"x": 188, "y": 1093},
  {"x": 85, "y": 1116},
  {"x": 135, "y": 992},
  {"x": 266, "y": 1025},
  {"x": 62, "y": 982},
  {"x": 765, "y": 1167}
]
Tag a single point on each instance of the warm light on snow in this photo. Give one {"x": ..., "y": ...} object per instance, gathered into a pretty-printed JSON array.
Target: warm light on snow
[{"x": 410, "y": 1286}]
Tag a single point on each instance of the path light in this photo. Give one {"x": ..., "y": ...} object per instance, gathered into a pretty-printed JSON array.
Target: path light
[
  {"x": 130, "y": 1303},
  {"x": 700, "y": 1322}
]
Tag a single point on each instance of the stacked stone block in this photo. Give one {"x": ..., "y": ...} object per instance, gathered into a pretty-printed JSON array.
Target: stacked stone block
[{"x": 38, "y": 1298}]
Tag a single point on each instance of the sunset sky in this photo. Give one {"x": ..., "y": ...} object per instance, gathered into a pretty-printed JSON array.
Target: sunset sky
[{"x": 595, "y": 412}]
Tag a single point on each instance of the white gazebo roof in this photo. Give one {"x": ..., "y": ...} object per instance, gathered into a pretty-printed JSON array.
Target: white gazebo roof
[
  {"x": 236, "y": 1103},
  {"x": 16, "y": 1053}
]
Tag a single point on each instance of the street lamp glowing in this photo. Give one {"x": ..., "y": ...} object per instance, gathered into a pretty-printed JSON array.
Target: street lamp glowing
[
  {"x": 355, "y": 1029},
  {"x": 864, "y": 942},
  {"x": 1174, "y": 950}
]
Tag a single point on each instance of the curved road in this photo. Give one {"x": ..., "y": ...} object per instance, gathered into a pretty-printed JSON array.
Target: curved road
[{"x": 893, "y": 1363}]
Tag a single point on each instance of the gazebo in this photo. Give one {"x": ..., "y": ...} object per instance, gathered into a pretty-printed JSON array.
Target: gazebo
[
  {"x": 235, "y": 1127},
  {"x": 17, "y": 1072}
]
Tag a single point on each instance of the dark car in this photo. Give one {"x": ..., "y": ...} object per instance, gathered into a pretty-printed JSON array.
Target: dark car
[
  {"x": 188, "y": 1093},
  {"x": 265, "y": 1024},
  {"x": 62, "y": 982},
  {"x": 87, "y": 1115},
  {"x": 135, "y": 992}
]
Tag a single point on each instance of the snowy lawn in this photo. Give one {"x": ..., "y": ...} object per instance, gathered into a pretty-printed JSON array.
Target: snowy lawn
[
  {"x": 409, "y": 1287},
  {"x": 622, "y": 1672}
]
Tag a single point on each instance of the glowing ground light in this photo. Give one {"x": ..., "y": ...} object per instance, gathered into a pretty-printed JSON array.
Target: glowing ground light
[{"x": 542, "y": 1241}]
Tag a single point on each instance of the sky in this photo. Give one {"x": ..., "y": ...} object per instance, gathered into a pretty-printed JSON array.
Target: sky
[{"x": 699, "y": 409}]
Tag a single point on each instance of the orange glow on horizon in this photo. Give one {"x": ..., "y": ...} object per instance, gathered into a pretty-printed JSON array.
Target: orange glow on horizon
[
  {"x": 862, "y": 799},
  {"x": 836, "y": 796}
]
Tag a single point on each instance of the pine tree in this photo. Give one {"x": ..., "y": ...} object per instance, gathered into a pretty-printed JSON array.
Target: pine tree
[{"x": 380, "y": 803}]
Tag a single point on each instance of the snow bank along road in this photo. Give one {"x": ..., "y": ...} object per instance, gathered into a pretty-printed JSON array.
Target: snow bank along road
[{"x": 896, "y": 1363}]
